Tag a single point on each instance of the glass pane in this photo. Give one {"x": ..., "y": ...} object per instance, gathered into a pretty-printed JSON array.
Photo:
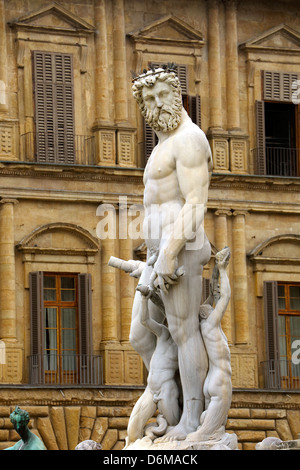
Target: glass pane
[
  {"x": 50, "y": 360},
  {"x": 295, "y": 291},
  {"x": 68, "y": 317},
  {"x": 69, "y": 361},
  {"x": 49, "y": 282},
  {"x": 280, "y": 291},
  {"x": 281, "y": 324},
  {"x": 68, "y": 339},
  {"x": 50, "y": 339},
  {"x": 67, "y": 283},
  {"x": 295, "y": 326},
  {"x": 50, "y": 294},
  {"x": 281, "y": 303},
  {"x": 68, "y": 295},
  {"x": 50, "y": 317},
  {"x": 295, "y": 297},
  {"x": 281, "y": 298}
]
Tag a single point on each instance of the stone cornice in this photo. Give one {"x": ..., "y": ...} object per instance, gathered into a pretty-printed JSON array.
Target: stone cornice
[
  {"x": 254, "y": 182},
  {"x": 78, "y": 172}
]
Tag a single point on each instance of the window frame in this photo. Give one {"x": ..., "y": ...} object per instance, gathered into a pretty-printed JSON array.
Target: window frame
[
  {"x": 59, "y": 304},
  {"x": 85, "y": 340}
]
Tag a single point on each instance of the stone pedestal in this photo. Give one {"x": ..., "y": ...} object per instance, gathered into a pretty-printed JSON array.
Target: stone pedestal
[{"x": 228, "y": 442}]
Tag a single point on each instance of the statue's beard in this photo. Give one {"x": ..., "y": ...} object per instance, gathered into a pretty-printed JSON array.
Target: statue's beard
[{"x": 164, "y": 119}]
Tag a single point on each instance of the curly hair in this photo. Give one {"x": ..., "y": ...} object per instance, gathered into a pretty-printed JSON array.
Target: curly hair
[
  {"x": 149, "y": 79},
  {"x": 18, "y": 412}
]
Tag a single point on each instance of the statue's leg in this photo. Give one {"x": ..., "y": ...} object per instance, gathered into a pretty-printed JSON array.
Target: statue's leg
[
  {"x": 168, "y": 402},
  {"x": 182, "y": 309},
  {"x": 141, "y": 338},
  {"x": 143, "y": 410}
]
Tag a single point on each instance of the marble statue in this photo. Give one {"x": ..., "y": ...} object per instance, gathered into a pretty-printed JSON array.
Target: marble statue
[
  {"x": 29, "y": 441},
  {"x": 162, "y": 390},
  {"x": 217, "y": 386},
  {"x": 176, "y": 180},
  {"x": 88, "y": 445},
  {"x": 180, "y": 341}
]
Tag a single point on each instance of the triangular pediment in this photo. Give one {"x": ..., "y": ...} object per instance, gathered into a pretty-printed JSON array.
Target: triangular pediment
[
  {"x": 53, "y": 17},
  {"x": 169, "y": 28},
  {"x": 281, "y": 38}
]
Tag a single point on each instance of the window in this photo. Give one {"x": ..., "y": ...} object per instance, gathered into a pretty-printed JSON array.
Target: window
[
  {"x": 54, "y": 109},
  {"x": 289, "y": 333},
  {"x": 192, "y": 105},
  {"x": 282, "y": 326},
  {"x": 277, "y": 127},
  {"x": 60, "y": 326},
  {"x": 61, "y": 330}
]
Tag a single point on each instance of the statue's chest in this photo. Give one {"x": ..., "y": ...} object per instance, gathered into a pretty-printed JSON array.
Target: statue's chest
[{"x": 161, "y": 162}]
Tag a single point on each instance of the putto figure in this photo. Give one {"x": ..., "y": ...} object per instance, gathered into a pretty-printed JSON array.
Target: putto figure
[
  {"x": 217, "y": 385},
  {"x": 176, "y": 180}
]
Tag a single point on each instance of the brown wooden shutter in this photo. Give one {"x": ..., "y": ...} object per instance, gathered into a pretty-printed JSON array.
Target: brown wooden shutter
[
  {"x": 195, "y": 109},
  {"x": 272, "y": 369},
  {"x": 277, "y": 86},
  {"x": 260, "y": 139},
  {"x": 36, "y": 325},
  {"x": 150, "y": 140},
  {"x": 205, "y": 289},
  {"x": 271, "y": 319},
  {"x": 85, "y": 314},
  {"x": 36, "y": 309},
  {"x": 183, "y": 78},
  {"x": 54, "y": 109}
]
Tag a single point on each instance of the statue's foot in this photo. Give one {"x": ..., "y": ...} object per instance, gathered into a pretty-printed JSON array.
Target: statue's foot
[
  {"x": 201, "y": 436},
  {"x": 177, "y": 433},
  {"x": 196, "y": 436}
]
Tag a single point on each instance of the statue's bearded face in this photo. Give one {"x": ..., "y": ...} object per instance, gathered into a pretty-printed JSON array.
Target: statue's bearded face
[{"x": 162, "y": 106}]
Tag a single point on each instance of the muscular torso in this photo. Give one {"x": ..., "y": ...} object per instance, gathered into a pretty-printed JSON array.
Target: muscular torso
[{"x": 163, "y": 198}]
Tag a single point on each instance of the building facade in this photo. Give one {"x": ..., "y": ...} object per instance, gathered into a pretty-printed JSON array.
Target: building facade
[{"x": 73, "y": 146}]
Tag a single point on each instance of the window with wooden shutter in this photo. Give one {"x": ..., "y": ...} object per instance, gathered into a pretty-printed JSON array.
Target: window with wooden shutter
[
  {"x": 277, "y": 86},
  {"x": 289, "y": 334},
  {"x": 61, "y": 329},
  {"x": 277, "y": 135},
  {"x": 54, "y": 108}
]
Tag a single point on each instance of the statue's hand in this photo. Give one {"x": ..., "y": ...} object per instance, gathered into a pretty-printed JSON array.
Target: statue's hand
[{"x": 164, "y": 272}]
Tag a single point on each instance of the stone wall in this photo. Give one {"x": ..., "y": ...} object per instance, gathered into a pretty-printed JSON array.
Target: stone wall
[{"x": 63, "y": 418}]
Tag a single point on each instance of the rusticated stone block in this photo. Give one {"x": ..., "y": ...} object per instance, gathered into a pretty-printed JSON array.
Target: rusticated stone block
[
  {"x": 100, "y": 428},
  {"x": 110, "y": 439},
  {"x": 4, "y": 435},
  {"x": 268, "y": 414},
  {"x": 239, "y": 413},
  {"x": 118, "y": 423},
  {"x": 4, "y": 411},
  {"x": 250, "y": 436},
  {"x": 58, "y": 423},
  {"x": 250, "y": 424},
  {"x": 293, "y": 417},
  {"x": 283, "y": 429},
  {"x": 46, "y": 431},
  {"x": 72, "y": 417}
]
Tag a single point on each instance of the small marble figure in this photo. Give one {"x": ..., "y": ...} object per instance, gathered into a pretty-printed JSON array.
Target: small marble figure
[
  {"x": 88, "y": 445},
  {"x": 29, "y": 441},
  {"x": 162, "y": 391},
  {"x": 217, "y": 385}
]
